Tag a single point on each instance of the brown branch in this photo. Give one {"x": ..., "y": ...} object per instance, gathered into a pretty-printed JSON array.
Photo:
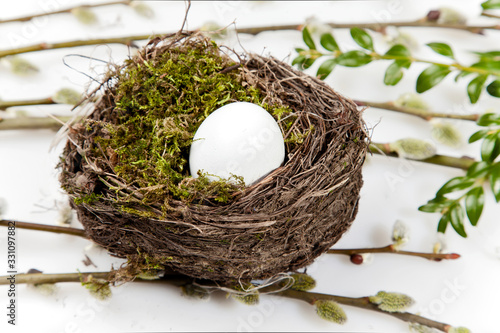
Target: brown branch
[
  {"x": 44, "y": 227},
  {"x": 179, "y": 280},
  {"x": 486, "y": 14},
  {"x": 422, "y": 23},
  {"x": 424, "y": 114},
  {"x": 64, "y": 11},
  {"x": 30, "y": 123},
  {"x": 454, "y": 162},
  {"x": 391, "y": 249},
  {"x": 42, "y": 101}
]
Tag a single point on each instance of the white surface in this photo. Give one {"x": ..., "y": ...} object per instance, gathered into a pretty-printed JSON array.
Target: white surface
[
  {"x": 393, "y": 189},
  {"x": 240, "y": 139}
]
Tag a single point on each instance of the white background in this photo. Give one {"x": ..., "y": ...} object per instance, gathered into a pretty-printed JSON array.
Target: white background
[{"x": 464, "y": 292}]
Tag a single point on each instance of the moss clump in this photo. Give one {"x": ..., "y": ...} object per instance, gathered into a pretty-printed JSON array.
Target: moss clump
[{"x": 160, "y": 104}]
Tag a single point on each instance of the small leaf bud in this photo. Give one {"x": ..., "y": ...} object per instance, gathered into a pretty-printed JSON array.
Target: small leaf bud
[
  {"x": 84, "y": 15},
  {"x": 400, "y": 234},
  {"x": 446, "y": 133},
  {"x": 194, "y": 291},
  {"x": 331, "y": 311},
  {"x": 391, "y": 302},
  {"x": 413, "y": 149},
  {"x": 142, "y": 9},
  {"x": 356, "y": 259},
  {"x": 67, "y": 96},
  {"x": 302, "y": 282},
  {"x": 411, "y": 100}
]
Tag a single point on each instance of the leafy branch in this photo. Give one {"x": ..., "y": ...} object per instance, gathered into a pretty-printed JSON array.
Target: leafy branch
[
  {"x": 464, "y": 195},
  {"x": 486, "y": 69}
]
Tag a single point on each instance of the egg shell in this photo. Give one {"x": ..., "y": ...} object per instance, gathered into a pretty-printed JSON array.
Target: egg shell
[{"x": 240, "y": 139}]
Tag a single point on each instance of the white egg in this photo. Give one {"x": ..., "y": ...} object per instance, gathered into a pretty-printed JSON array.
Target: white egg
[{"x": 239, "y": 138}]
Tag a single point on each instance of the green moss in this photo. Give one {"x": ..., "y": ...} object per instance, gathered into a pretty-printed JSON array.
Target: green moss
[
  {"x": 87, "y": 199},
  {"x": 159, "y": 105}
]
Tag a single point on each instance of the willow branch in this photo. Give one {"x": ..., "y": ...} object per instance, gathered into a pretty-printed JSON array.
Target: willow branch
[
  {"x": 422, "y": 23},
  {"x": 64, "y": 11},
  {"x": 423, "y": 114},
  {"x": 29, "y": 123},
  {"x": 454, "y": 162},
  {"x": 8, "y": 104},
  {"x": 363, "y": 303},
  {"x": 179, "y": 280},
  {"x": 486, "y": 14},
  {"x": 44, "y": 227},
  {"x": 391, "y": 249}
]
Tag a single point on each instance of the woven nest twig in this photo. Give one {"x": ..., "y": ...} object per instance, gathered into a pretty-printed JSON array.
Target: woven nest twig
[{"x": 281, "y": 223}]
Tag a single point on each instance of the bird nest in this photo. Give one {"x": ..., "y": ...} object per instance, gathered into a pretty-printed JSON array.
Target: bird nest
[{"x": 140, "y": 203}]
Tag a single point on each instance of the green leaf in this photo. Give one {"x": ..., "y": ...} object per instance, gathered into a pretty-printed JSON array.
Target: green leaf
[
  {"x": 461, "y": 75},
  {"x": 354, "y": 59},
  {"x": 299, "y": 60},
  {"x": 491, "y": 4},
  {"x": 478, "y": 169},
  {"x": 456, "y": 216},
  {"x": 488, "y": 65},
  {"x": 328, "y": 42},
  {"x": 443, "y": 223},
  {"x": 494, "y": 88},
  {"x": 478, "y": 135},
  {"x": 362, "y": 38},
  {"x": 475, "y": 87},
  {"x": 474, "y": 203},
  {"x": 393, "y": 74},
  {"x": 306, "y": 36},
  {"x": 489, "y": 119},
  {"x": 455, "y": 184},
  {"x": 435, "y": 205},
  {"x": 442, "y": 49},
  {"x": 431, "y": 76},
  {"x": 308, "y": 63},
  {"x": 495, "y": 180},
  {"x": 488, "y": 56},
  {"x": 490, "y": 148},
  {"x": 399, "y": 50},
  {"x": 326, "y": 68}
]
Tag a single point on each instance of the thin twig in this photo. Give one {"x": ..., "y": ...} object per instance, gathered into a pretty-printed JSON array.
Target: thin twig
[
  {"x": 64, "y": 11},
  {"x": 486, "y": 14},
  {"x": 424, "y": 114},
  {"x": 454, "y": 162},
  {"x": 276, "y": 290},
  {"x": 30, "y": 123},
  {"x": 44, "y": 227},
  {"x": 391, "y": 249},
  {"x": 42, "y": 101}
]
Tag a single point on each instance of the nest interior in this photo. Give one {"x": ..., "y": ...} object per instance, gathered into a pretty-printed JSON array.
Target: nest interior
[{"x": 221, "y": 231}]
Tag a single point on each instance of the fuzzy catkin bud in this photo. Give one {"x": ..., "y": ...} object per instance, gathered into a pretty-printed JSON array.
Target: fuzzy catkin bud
[
  {"x": 67, "y": 96},
  {"x": 417, "y": 328},
  {"x": 446, "y": 133},
  {"x": 450, "y": 16},
  {"x": 3, "y": 207},
  {"x": 396, "y": 36},
  {"x": 21, "y": 67},
  {"x": 246, "y": 295},
  {"x": 391, "y": 302},
  {"x": 302, "y": 282},
  {"x": 331, "y": 311},
  {"x": 459, "y": 330},
  {"x": 142, "y": 9},
  {"x": 413, "y": 149},
  {"x": 411, "y": 100},
  {"x": 400, "y": 234},
  {"x": 98, "y": 288},
  {"x": 84, "y": 15},
  {"x": 194, "y": 291},
  {"x": 149, "y": 275}
]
